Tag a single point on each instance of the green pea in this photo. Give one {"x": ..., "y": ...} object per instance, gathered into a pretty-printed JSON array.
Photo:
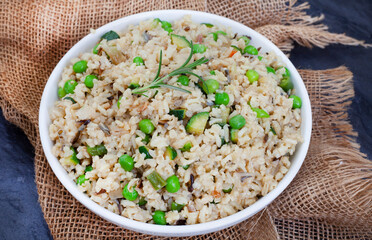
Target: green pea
[
  {"x": 251, "y": 50},
  {"x": 259, "y": 58},
  {"x": 237, "y": 122},
  {"x": 119, "y": 100},
  {"x": 210, "y": 86},
  {"x": 212, "y": 72},
  {"x": 270, "y": 69},
  {"x": 95, "y": 50},
  {"x": 184, "y": 80},
  {"x": 246, "y": 40},
  {"x": 252, "y": 75},
  {"x": 88, "y": 168},
  {"x": 61, "y": 92},
  {"x": 260, "y": 113},
  {"x": 89, "y": 80},
  {"x": 286, "y": 84},
  {"x": 297, "y": 102},
  {"x": 173, "y": 184},
  {"x": 81, "y": 179},
  {"x": 146, "y": 126},
  {"x": 80, "y": 66},
  {"x": 199, "y": 48},
  {"x": 69, "y": 86},
  {"x": 138, "y": 61},
  {"x": 222, "y": 98},
  {"x": 159, "y": 217},
  {"x": 176, "y": 207},
  {"x": 126, "y": 162},
  {"x": 97, "y": 150},
  {"x": 131, "y": 196}
]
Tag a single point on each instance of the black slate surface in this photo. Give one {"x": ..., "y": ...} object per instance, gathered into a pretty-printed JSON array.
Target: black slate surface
[{"x": 20, "y": 213}]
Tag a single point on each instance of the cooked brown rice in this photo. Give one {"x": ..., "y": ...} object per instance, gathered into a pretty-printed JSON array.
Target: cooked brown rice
[{"x": 252, "y": 167}]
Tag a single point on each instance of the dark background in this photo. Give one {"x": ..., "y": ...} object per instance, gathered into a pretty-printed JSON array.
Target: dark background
[{"x": 20, "y": 212}]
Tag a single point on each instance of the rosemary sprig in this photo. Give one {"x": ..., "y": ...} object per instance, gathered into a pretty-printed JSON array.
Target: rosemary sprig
[{"x": 185, "y": 68}]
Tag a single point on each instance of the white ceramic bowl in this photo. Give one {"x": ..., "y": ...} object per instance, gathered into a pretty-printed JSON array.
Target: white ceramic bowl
[{"x": 88, "y": 42}]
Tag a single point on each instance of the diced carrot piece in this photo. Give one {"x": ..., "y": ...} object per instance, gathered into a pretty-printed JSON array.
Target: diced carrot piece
[{"x": 233, "y": 52}]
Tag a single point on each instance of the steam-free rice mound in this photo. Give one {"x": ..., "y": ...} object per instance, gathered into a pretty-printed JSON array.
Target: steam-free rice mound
[{"x": 182, "y": 147}]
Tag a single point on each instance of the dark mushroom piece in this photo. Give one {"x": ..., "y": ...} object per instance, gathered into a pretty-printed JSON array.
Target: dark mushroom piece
[
  {"x": 244, "y": 176},
  {"x": 227, "y": 72},
  {"x": 210, "y": 103},
  {"x": 191, "y": 188},
  {"x": 249, "y": 37},
  {"x": 140, "y": 184},
  {"x": 117, "y": 201},
  {"x": 80, "y": 129},
  {"x": 104, "y": 128},
  {"x": 181, "y": 222},
  {"x": 146, "y": 36}
]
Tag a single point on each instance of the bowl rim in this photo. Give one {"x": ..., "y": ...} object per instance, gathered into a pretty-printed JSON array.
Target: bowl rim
[{"x": 186, "y": 230}]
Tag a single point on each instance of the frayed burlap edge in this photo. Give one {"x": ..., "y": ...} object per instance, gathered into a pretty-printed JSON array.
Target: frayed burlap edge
[{"x": 333, "y": 152}]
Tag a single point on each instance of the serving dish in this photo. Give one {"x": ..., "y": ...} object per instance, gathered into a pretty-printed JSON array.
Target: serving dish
[{"x": 50, "y": 96}]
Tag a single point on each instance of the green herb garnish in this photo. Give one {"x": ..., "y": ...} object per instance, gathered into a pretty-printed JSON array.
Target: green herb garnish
[{"x": 186, "y": 68}]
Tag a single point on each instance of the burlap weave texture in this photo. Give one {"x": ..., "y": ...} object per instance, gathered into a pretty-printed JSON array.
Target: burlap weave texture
[{"x": 331, "y": 196}]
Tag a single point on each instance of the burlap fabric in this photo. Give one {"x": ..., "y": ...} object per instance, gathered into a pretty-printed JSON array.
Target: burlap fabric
[{"x": 329, "y": 199}]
